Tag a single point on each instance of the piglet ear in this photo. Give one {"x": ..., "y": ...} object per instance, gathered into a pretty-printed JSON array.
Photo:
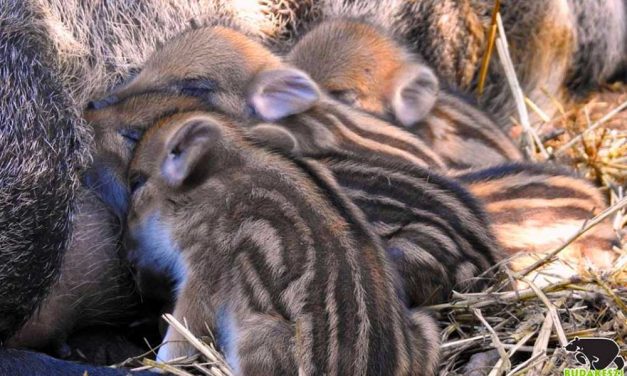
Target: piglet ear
[
  {"x": 189, "y": 145},
  {"x": 415, "y": 93},
  {"x": 279, "y": 93},
  {"x": 274, "y": 136}
]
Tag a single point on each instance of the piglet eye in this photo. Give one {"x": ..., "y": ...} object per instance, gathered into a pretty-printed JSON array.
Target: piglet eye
[
  {"x": 175, "y": 152},
  {"x": 136, "y": 181},
  {"x": 348, "y": 97},
  {"x": 131, "y": 135},
  {"x": 197, "y": 87}
]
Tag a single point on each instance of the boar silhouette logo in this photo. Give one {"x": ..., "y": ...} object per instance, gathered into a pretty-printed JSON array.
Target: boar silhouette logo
[{"x": 599, "y": 353}]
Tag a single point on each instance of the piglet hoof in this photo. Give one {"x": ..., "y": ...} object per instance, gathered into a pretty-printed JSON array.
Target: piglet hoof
[
  {"x": 173, "y": 350},
  {"x": 480, "y": 363}
]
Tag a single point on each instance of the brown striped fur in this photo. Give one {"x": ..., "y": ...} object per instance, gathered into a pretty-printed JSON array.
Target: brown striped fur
[
  {"x": 535, "y": 209},
  {"x": 268, "y": 255},
  {"x": 364, "y": 66},
  {"x": 433, "y": 228},
  {"x": 219, "y": 67}
]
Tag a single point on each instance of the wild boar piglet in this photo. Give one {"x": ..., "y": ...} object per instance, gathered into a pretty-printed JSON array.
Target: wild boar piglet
[
  {"x": 365, "y": 67},
  {"x": 269, "y": 255}
]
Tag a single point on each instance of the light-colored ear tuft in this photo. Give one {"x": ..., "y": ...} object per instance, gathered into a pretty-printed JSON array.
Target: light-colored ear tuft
[
  {"x": 278, "y": 93},
  {"x": 274, "y": 136},
  {"x": 186, "y": 147},
  {"x": 415, "y": 93}
]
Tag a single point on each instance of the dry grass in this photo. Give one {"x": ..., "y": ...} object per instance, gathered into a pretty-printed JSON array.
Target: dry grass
[
  {"x": 594, "y": 138},
  {"x": 532, "y": 324}
]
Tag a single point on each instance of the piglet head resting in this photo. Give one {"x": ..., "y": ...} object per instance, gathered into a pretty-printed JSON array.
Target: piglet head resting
[
  {"x": 361, "y": 65},
  {"x": 230, "y": 72},
  {"x": 175, "y": 158}
]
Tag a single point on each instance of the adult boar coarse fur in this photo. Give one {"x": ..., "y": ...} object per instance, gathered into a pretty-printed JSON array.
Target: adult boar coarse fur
[
  {"x": 39, "y": 153},
  {"x": 565, "y": 46}
]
